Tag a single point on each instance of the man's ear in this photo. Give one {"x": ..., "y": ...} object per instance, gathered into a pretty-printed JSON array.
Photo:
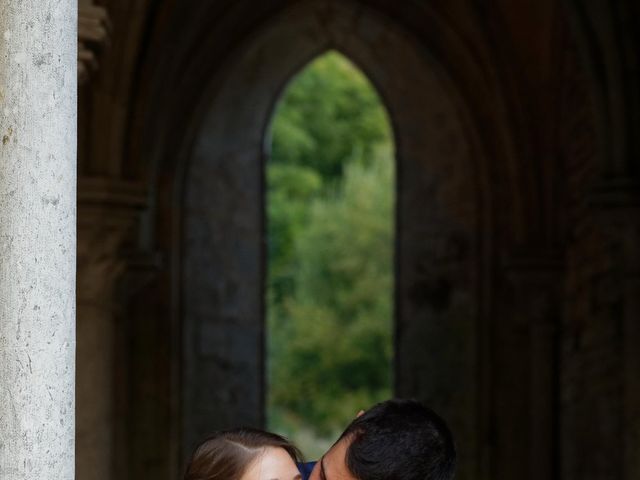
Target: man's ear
[{"x": 360, "y": 413}]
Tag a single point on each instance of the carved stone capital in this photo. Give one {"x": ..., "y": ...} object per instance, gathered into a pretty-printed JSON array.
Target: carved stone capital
[
  {"x": 100, "y": 263},
  {"x": 93, "y": 34},
  {"x": 617, "y": 206},
  {"x": 108, "y": 220},
  {"x": 113, "y": 194}
]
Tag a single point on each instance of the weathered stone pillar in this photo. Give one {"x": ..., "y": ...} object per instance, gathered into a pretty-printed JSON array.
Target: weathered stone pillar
[
  {"x": 99, "y": 269},
  {"x": 108, "y": 212},
  {"x": 528, "y": 377},
  {"x": 38, "y": 90},
  {"x": 617, "y": 203},
  {"x": 538, "y": 287}
]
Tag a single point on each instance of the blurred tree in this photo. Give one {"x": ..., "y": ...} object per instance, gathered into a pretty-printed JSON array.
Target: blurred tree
[
  {"x": 290, "y": 189},
  {"x": 330, "y": 188},
  {"x": 329, "y": 116}
]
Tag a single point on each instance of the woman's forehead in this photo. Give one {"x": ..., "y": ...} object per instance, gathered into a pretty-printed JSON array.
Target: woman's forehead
[{"x": 273, "y": 463}]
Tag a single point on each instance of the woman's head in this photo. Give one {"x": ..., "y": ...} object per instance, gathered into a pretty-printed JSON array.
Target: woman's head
[{"x": 244, "y": 454}]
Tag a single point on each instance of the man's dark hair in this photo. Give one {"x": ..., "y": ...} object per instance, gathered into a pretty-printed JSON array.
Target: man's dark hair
[{"x": 400, "y": 440}]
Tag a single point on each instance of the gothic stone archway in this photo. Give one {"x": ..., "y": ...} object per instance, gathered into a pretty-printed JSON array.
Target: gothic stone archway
[{"x": 439, "y": 211}]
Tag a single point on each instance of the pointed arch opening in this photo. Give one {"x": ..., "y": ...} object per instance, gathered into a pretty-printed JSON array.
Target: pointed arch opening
[
  {"x": 330, "y": 193},
  {"x": 221, "y": 258}
]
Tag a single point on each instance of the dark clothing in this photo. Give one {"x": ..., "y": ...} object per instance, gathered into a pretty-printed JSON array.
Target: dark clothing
[{"x": 305, "y": 469}]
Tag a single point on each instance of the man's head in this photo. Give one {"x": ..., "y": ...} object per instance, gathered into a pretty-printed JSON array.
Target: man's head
[{"x": 394, "y": 440}]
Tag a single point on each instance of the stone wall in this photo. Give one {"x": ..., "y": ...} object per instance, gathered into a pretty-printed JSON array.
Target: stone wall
[
  {"x": 437, "y": 306},
  {"x": 516, "y": 279}
]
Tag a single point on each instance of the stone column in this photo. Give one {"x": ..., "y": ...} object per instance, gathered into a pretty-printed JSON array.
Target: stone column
[
  {"x": 534, "y": 313},
  {"x": 38, "y": 90},
  {"x": 108, "y": 212},
  {"x": 99, "y": 269},
  {"x": 538, "y": 287},
  {"x": 617, "y": 203}
]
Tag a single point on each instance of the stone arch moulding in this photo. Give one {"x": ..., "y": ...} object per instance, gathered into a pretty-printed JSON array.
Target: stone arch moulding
[{"x": 439, "y": 217}]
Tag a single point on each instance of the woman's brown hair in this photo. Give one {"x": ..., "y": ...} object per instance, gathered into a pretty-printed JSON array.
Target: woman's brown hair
[{"x": 226, "y": 455}]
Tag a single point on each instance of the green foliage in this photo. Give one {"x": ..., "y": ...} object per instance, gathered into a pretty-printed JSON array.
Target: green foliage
[
  {"x": 330, "y": 225},
  {"x": 329, "y": 116},
  {"x": 291, "y": 188}
]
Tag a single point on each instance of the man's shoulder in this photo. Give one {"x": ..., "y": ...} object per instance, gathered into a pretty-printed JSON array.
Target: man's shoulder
[{"x": 305, "y": 469}]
